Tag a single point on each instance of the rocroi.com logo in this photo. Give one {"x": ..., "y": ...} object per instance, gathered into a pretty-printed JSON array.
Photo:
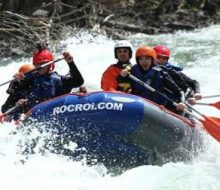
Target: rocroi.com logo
[{"x": 88, "y": 107}]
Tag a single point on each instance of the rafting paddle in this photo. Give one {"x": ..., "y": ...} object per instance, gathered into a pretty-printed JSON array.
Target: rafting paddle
[
  {"x": 8, "y": 112},
  {"x": 210, "y": 96},
  {"x": 211, "y": 124},
  {"x": 216, "y": 104},
  {"x": 35, "y": 69}
]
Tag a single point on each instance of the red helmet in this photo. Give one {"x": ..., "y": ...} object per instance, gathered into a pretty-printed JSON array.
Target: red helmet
[
  {"x": 146, "y": 51},
  {"x": 25, "y": 68},
  {"x": 41, "y": 57},
  {"x": 162, "y": 50}
]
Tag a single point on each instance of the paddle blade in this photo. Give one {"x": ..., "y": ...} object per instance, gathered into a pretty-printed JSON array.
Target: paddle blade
[
  {"x": 212, "y": 126},
  {"x": 217, "y": 105}
]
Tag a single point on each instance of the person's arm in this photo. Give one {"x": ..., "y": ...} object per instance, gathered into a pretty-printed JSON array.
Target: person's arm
[
  {"x": 75, "y": 79},
  {"x": 178, "y": 97},
  {"x": 170, "y": 85},
  {"x": 15, "y": 90},
  {"x": 10, "y": 102},
  {"x": 191, "y": 83},
  {"x": 193, "y": 90}
]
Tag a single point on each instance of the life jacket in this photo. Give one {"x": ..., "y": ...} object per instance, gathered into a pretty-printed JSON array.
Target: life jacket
[
  {"x": 41, "y": 88},
  {"x": 45, "y": 87},
  {"x": 171, "y": 66},
  {"x": 109, "y": 78},
  {"x": 152, "y": 78}
]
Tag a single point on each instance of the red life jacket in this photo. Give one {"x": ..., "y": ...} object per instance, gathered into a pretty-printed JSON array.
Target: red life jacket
[{"x": 108, "y": 81}]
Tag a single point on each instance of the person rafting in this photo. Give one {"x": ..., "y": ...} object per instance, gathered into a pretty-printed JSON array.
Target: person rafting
[
  {"x": 163, "y": 56},
  {"x": 149, "y": 73},
  {"x": 190, "y": 87},
  {"x": 43, "y": 84},
  {"x": 123, "y": 53},
  {"x": 14, "y": 95}
]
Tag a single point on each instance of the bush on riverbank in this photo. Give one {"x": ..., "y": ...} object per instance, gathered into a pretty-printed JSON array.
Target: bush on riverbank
[{"x": 23, "y": 22}]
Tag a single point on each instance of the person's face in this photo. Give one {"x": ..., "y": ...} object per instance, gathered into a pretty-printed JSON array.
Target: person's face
[
  {"x": 43, "y": 70},
  {"x": 145, "y": 62},
  {"x": 161, "y": 59},
  {"x": 122, "y": 54}
]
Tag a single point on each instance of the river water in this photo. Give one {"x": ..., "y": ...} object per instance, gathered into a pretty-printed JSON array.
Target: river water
[{"x": 196, "y": 51}]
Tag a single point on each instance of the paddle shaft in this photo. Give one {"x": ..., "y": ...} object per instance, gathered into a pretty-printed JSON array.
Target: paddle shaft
[
  {"x": 216, "y": 104},
  {"x": 211, "y": 96},
  {"x": 9, "y": 111},
  {"x": 43, "y": 65},
  {"x": 6, "y": 82},
  {"x": 195, "y": 110},
  {"x": 200, "y": 103},
  {"x": 35, "y": 69},
  {"x": 153, "y": 90},
  {"x": 150, "y": 88}
]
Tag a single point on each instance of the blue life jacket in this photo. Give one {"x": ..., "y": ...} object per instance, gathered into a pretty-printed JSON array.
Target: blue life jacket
[
  {"x": 45, "y": 87},
  {"x": 153, "y": 78},
  {"x": 171, "y": 66}
]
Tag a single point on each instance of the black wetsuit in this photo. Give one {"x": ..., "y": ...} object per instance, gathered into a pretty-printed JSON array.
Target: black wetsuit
[{"x": 26, "y": 89}]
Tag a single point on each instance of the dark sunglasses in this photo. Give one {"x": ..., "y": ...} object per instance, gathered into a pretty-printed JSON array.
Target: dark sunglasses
[{"x": 162, "y": 57}]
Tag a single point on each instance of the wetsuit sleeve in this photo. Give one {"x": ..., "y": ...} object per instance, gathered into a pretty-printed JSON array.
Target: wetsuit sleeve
[
  {"x": 14, "y": 96},
  {"x": 10, "y": 102},
  {"x": 75, "y": 79},
  {"x": 171, "y": 86},
  {"x": 193, "y": 84},
  {"x": 14, "y": 90}
]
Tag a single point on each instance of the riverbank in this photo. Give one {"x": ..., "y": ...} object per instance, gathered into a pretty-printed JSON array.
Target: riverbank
[{"x": 22, "y": 26}]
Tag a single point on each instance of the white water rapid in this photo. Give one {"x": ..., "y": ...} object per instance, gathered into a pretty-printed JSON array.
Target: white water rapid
[{"x": 197, "y": 52}]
